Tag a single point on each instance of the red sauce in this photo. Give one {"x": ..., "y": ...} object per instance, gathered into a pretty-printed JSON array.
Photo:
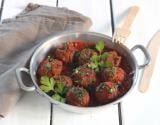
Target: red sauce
[{"x": 86, "y": 75}]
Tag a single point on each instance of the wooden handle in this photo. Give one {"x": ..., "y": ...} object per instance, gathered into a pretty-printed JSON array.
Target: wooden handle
[
  {"x": 130, "y": 17},
  {"x": 148, "y": 71}
]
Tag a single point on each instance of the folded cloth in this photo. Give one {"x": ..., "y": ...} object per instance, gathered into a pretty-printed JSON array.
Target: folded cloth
[{"x": 21, "y": 35}]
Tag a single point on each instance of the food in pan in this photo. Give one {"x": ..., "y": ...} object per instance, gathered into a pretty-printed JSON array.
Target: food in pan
[
  {"x": 84, "y": 74},
  {"x": 78, "y": 96},
  {"x": 50, "y": 67},
  {"x": 106, "y": 92}
]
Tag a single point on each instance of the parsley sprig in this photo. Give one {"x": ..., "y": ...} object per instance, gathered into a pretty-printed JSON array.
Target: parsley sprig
[
  {"x": 99, "y": 46},
  {"x": 49, "y": 84},
  {"x": 98, "y": 62}
]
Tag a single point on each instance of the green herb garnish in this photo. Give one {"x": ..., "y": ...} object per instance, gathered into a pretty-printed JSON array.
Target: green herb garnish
[
  {"x": 106, "y": 64},
  {"x": 59, "y": 88},
  {"x": 93, "y": 65},
  {"x": 100, "y": 46},
  {"x": 50, "y": 59},
  {"x": 47, "y": 84},
  {"x": 104, "y": 56},
  {"x": 58, "y": 98},
  {"x": 99, "y": 61}
]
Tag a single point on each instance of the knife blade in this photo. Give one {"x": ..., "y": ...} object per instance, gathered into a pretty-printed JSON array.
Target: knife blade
[{"x": 153, "y": 47}]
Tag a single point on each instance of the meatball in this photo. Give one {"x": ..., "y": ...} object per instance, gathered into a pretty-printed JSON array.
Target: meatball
[
  {"x": 106, "y": 92},
  {"x": 66, "y": 52},
  {"x": 65, "y": 55},
  {"x": 78, "y": 96},
  {"x": 84, "y": 76},
  {"x": 115, "y": 75},
  {"x": 67, "y": 81},
  {"x": 114, "y": 58},
  {"x": 78, "y": 45},
  {"x": 50, "y": 67},
  {"x": 85, "y": 55}
]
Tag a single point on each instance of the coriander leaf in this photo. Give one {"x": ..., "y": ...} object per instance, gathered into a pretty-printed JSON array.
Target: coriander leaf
[
  {"x": 65, "y": 90},
  {"x": 57, "y": 97},
  {"x": 101, "y": 64},
  {"x": 93, "y": 65},
  {"x": 59, "y": 88},
  {"x": 63, "y": 100},
  {"x": 47, "y": 83},
  {"x": 50, "y": 58},
  {"x": 95, "y": 58},
  {"x": 108, "y": 65},
  {"x": 100, "y": 46},
  {"x": 104, "y": 56}
]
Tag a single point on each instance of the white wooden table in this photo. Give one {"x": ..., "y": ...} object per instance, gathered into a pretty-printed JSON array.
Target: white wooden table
[{"x": 137, "y": 108}]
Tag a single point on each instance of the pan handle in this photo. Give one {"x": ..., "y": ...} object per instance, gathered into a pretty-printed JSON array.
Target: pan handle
[
  {"x": 146, "y": 54},
  {"x": 19, "y": 78}
]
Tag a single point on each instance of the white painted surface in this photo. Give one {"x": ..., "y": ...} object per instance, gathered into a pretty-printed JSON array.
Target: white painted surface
[
  {"x": 32, "y": 109},
  {"x": 142, "y": 109},
  {"x": 35, "y": 110},
  {"x": 13, "y": 7},
  {"x": 139, "y": 109},
  {"x": 108, "y": 116},
  {"x": 97, "y": 10}
]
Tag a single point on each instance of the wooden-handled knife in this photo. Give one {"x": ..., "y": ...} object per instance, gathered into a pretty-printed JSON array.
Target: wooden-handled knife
[{"x": 153, "y": 47}]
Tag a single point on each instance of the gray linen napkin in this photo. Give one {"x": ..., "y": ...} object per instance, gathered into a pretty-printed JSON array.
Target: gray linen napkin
[{"x": 20, "y": 36}]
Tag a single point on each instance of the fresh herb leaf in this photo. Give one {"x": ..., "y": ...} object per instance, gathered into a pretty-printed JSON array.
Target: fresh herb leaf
[
  {"x": 47, "y": 84},
  {"x": 63, "y": 100},
  {"x": 95, "y": 58},
  {"x": 100, "y": 46},
  {"x": 107, "y": 65},
  {"x": 58, "y": 98},
  {"x": 93, "y": 65},
  {"x": 59, "y": 88},
  {"x": 50, "y": 58},
  {"x": 104, "y": 56}
]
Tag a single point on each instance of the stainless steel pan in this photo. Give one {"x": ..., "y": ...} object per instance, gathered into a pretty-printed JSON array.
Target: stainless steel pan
[{"x": 54, "y": 41}]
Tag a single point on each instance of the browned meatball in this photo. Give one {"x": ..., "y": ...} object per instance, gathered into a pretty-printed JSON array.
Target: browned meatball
[
  {"x": 106, "y": 92},
  {"x": 67, "y": 81},
  {"x": 84, "y": 76},
  {"x": 114, "y": 58},
  {"x": 115, "y": 75},
  {"x": 85, "y": 55},
  {"x": 66, "y": 52},
  {"x": 50, "y": 67},
  {"x": 78, "y": 96},
  {"x": 65, "y": 55}
]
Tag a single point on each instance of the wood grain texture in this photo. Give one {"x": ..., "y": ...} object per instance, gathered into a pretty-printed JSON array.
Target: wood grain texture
[
  {"x": 138, "y": 108},
  {"x": 153, "y": 48}
]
